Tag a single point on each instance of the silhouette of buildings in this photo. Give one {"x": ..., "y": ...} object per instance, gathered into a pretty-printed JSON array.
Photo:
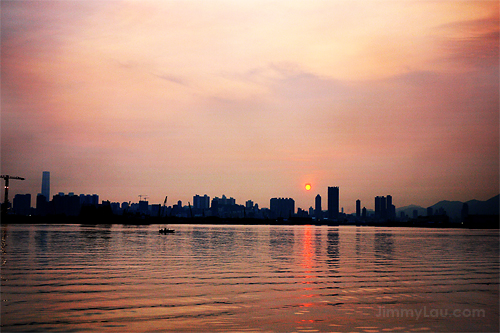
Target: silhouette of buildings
[
  {"x": 89, "y": 200},
  {"x": 21, "y": 204},
  {"x": 46, "y": 185},
  {"x": 384, "y": 209},
  {"x": 201, "y": 202},
  {"x": 282, "y": 207},
  {"x": 224, "y": 208},
  {"x": 68, "y": 205},
  {"x": 317, "y": 211},
  {"x": 430, "y": 211},
  {"x": 333, "y": 203},
  {"x": 143, "y": 206},
  {"x": 358, "y": 208},
  {"x": 42, "y": 205}
]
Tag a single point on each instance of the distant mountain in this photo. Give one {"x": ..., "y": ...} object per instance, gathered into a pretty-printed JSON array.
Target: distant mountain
[
  {"x": 408, "y": 210},
  {"x": 488, "y": 207},
  {"x": 454, "y": 208}
]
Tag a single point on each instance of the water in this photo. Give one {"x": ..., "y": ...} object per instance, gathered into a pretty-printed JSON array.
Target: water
[{"x": 73, "y": 278}]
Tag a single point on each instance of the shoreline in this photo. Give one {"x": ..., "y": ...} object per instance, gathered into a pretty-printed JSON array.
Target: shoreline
[{"x": 478, "y": 222}]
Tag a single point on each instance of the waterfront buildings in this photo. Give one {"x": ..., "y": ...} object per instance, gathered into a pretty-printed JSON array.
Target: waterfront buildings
[
  {"x": 318, "y": 212},
  {"x": 333, "y": 203},
  {"x": 46, "y": 185},
  {"x": 282, "y": 207}
]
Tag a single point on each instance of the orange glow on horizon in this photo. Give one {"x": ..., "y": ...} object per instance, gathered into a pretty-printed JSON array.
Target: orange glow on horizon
[{"x": 148, "y": 94}]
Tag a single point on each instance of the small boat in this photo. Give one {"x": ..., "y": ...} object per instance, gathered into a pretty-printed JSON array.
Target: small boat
[{"x": 166, "y": 231}]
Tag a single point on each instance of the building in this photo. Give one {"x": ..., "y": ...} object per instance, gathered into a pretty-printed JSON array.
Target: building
[
  {"x": 46, "y": 185},
  {"x": 318, "y": 213},
  {"x": 430, "y": 211},
  {"x": 89, "y": 200},
  {"x": 42, "y": 205},
  {"x": 201, "y": 202},
  {"x": 144, "y": 207},
  {"x": 333, "y": 203},
  {"x": 282, "y": 207},
  {"x": 21, "y": 204},
  {"x": 358, "y": 208},
  {"x": 377, "y": 207},
  {"x": 384, "y": 209},
  {"x": 391, "y": 209},
  {"x": 68, "y": 205}
]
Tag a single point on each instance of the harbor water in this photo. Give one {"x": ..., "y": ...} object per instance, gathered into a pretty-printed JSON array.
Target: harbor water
[{"x": 221, "y": 278}]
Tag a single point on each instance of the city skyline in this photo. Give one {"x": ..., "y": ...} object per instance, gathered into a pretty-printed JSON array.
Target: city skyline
[
  {"x": 383, "y": 207},
  {"x": 253, "y": 99}
]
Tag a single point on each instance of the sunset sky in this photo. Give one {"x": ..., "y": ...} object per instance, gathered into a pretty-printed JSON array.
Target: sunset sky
[{"x": 252, "y": 99}]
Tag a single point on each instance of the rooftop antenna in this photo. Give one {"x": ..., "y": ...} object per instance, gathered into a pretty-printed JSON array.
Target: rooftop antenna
[{"x": 142, "y": 195}]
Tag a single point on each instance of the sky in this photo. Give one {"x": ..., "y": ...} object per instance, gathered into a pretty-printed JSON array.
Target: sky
[{"x": 252, "y": 99}]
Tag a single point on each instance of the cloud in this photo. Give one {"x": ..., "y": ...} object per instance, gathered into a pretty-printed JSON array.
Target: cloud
[
  {"x": 251, "y": 96},
  {"x": 171, "y": 78},
  {"x": 477, "y": 46}
]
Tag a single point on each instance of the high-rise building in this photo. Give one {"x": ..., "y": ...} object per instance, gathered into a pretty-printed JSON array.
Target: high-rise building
[
  {"x": 143, "y": 206},
  {"x": 22, "y": 204},
  {"x": 383, "y": 207},
  {"x": 389, "y": 201},
  {"x": 282, "y": 207},
  {"x": 201, "y": 202},
  {"x": 333, "y": 203},
  {"x": 378, "y": 207},
  {"x": 42, "y": 205},
  {"x": 391, "y": 209},
  {"x": 46, "y": 185},
  {"x": 318, "y": 212},
  {"x": 358, "y": 208}
]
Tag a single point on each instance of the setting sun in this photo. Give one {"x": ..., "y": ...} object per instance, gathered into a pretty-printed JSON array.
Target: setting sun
[{"x": 308, "y": 187}]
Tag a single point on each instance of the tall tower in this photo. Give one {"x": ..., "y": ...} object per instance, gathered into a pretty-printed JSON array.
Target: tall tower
[
  {"x": 317, "y": 211},
  {"x": 358, "y": 208},
  {"x": 333, "y": 203},
  {"x": 46, "y": 185}
]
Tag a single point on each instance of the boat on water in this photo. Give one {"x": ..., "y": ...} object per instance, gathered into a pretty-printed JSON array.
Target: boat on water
[{"x": 166, "y": 231}]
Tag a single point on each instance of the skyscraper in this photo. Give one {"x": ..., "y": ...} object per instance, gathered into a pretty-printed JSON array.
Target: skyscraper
[
  {"x": 383, "y": 207},
  {"x": 282, "y": 207},
  {"x": 333, "y": 203},
  {"x": 46, "y": 185},
  {"x": 358, "y": 208},
  {"x": 201, "y": 202},
  {"x": 378, "y": 207},
  {"x": 318, "y": 212}
]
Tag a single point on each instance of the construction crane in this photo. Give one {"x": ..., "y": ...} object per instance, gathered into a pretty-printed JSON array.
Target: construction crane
[
  {"x": 162, "y": 209},
  {"x": 6, "y": 199}
]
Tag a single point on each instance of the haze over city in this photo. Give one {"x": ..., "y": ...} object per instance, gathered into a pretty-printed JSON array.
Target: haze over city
[{"x": 252, "y": 99}]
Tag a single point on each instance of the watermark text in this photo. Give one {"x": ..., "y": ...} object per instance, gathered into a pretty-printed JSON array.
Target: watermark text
[{"x": 429, "y": 313}]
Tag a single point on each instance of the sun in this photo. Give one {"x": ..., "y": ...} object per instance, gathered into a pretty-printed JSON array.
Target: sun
[{"x": 308, "y": 187}]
